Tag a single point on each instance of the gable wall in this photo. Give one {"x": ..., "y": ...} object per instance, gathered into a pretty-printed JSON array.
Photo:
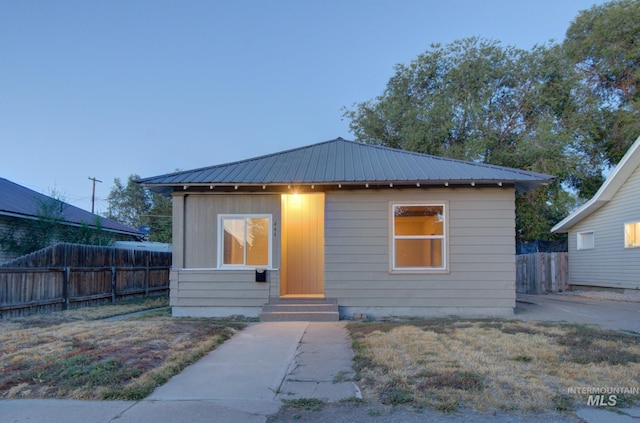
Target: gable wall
[
  {"x": 609, "y": 264},
  {"x": 481, "y": 277}
]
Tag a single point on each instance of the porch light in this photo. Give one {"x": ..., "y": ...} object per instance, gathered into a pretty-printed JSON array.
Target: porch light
[
  {"x": 235, "y": 187},
  {"x": 418, "y": 184},
  {"x": 473, "y": 184},
  {"x": 366, "y": 185},
  {"x": 500, "y": 183},
  {"x": 390, "y": 185},
  {"x": 264, "y": 187},
  {"x": 446, "y": 184}
]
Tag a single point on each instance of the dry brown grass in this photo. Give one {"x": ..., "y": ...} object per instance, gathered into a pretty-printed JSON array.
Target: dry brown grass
[
  {"x": 506, "y": 365},
  {"x": 60, "y": 356}
]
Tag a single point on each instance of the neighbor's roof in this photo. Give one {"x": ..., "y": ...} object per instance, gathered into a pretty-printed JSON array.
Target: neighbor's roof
[
  {"x": 346, "y": 162},
  {"x": 611, "y": 185},
  {"x": 22, "y": 202}
]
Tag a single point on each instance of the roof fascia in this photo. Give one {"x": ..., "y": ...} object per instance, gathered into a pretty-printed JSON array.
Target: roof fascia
[{"x": 611, "y": 185}]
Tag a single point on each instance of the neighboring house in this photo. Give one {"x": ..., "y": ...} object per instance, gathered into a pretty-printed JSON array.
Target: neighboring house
[
  {"x": 604, "y": 233},
  {"x": 18, "y": 203},
  {"x": 379, "y": 231}
]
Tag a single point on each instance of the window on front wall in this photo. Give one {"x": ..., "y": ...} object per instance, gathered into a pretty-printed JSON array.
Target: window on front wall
[
  {"x": 585, "y": 240},
  {"x": 632, "y": 235},
  {"x": 245, "y": 241},
  {"x": 419, "y": 238}
]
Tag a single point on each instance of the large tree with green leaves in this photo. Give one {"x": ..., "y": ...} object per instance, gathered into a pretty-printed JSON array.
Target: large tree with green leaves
[
  {"x": 135, "y": 206},
  {"x": 477, "y": 100},
  {"x": 604, "y": 45}
]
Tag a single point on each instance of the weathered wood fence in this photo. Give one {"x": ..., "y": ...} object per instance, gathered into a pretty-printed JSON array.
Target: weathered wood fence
[
  {"x": 541, "y": 273},
  {"x": 68, "y": 276}
]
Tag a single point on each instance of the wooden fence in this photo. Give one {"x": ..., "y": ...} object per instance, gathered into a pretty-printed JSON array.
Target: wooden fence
[
  {"x": 68, "y": 276},
  {"x": 541, "y": 273}
]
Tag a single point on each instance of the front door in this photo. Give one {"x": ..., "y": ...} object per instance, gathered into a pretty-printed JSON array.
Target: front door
[{"x": 302, "y": 271}]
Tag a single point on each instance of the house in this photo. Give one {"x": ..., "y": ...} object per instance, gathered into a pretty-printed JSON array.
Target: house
[
  {"x": 19, "y": 204},
  {"x": 375, "y": 230},
  {"x": 604, "y": 233}
]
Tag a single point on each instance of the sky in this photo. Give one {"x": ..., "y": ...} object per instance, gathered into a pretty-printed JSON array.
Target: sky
[{"x": 108, "y": 88}]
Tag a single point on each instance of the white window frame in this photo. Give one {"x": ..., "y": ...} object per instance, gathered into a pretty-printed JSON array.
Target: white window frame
[
  {"x": 444, "y": 237},
  {"x": 627, "y": 243},
  {"x": 582, "y": 237},
  {"x": 243, "y": 216}
]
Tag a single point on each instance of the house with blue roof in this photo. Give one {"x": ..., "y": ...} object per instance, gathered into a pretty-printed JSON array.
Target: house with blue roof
[
  {"x": 344, "y": 229},
  {"x": 19, "y": 204}
]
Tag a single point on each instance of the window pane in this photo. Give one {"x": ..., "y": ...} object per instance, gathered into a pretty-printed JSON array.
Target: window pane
[
  {"x": 419, "y": 253},
  {"x": 258, "y": 241},
  {"x": 233, "y": 249},
  {"x": 418, "y": 220},
  {"x": 586, "y": 241},
  {"x": 632, "y": 234}
]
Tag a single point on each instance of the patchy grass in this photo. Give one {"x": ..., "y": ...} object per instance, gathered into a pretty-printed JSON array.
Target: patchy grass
[
  {"x": 491, "y": 364},
  {"x": 71, "y": 355}
]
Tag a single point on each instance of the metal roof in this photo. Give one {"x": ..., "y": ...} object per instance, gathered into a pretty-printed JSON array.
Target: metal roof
[
  {"x": 340, "y": 161},
  {"x": 22, "y": 202}
]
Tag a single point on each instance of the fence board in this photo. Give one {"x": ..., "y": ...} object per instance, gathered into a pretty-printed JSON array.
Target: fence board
[
  {"x": 72, "y": 276},
  {"x": 542, "y": 273}
]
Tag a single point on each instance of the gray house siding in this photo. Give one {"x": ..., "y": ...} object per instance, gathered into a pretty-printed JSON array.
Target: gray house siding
[
  {"x": 481, "y": 274},
  {"x": 609, "y": 263},
  {"x": 479, "y": 279},
  {"x": 198, "y": 287}
]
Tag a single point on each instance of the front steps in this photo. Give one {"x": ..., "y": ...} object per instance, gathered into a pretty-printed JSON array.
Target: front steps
[{"x": 300, "y": 310}]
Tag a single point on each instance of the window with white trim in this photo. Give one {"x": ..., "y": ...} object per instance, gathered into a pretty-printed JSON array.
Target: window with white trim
[
  {"x": 419, "y": 237},
  {"x": 585, "y": 240},
  {"x": 632, "y": 235},
  {"x": 244, "y": 241}
]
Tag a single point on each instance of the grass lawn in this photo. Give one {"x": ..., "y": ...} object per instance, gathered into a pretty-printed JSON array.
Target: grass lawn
[
  {"x": 71, "y": 354},
  {"x": 491, "y": 365}
]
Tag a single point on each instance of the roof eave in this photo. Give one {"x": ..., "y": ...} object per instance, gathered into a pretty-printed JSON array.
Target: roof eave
[{"x": 611, "y": 185}]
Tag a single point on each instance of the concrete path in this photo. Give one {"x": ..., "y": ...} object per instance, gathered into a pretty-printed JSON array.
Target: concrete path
[
  {"x": 615, "y": 315},
  {"x": 244, "y": 380}
]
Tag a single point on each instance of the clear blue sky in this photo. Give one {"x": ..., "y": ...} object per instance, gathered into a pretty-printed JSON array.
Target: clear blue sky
[{"x": 107, "y": 88}]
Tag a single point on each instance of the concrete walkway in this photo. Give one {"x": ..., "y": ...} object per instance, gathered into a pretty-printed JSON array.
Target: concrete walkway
[{"x": 244, "y": 380}]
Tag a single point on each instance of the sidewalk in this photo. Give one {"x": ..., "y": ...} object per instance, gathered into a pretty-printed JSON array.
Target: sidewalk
[{"x": 244, "y": 380}]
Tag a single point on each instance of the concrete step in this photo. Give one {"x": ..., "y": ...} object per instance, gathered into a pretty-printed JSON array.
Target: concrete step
[
  {"x": 299, "y": 307},
  {"x": 317, "y": 316},
  {"x": 301, "y": 310}
]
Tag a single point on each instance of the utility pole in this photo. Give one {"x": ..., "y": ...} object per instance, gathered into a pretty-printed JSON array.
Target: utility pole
[{"x": 93, "y": 192}]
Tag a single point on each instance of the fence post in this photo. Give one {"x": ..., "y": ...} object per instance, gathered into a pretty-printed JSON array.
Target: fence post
[
  {"x": 113, "y": 284},
  {"x": 65, "y": 287},
  {"x": 146, "y": 274}
]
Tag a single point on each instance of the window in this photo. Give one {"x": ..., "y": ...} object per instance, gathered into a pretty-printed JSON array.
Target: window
[
  {"x": 418, "y": 237},
  {"x": 632, "y": 235},
  {"x": 586, "y": 240},
  {"x": 245, "y": 241}
]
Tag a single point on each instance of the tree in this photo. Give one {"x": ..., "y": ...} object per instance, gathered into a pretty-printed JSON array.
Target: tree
[
  {"x": 477, "y": 100},
  {"x": 135, "y": 206},
  {"x": 604, "y": 45}
]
